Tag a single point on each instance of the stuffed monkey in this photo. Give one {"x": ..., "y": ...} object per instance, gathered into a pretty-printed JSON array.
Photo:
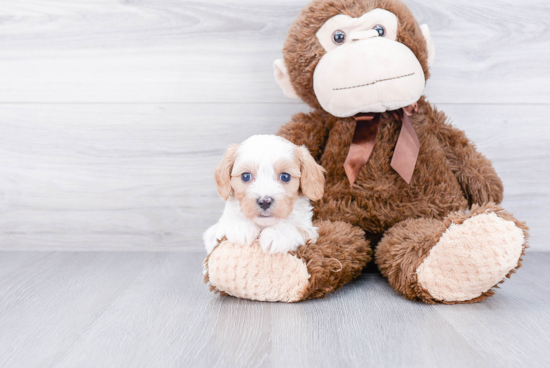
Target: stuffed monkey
[{"x": 400, "y": 180}]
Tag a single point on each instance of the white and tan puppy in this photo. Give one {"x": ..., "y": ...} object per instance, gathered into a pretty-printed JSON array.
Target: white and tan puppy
[{"x": 267, "y": 183}]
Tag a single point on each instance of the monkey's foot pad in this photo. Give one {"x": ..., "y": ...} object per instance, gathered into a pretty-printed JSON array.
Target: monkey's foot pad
[
  {"x": 247, "y": 272},
  {"x": 471, "y": 257}
]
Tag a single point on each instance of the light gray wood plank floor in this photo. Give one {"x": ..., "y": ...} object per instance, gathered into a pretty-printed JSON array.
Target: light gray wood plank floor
[{"x": 105, "y": 309}]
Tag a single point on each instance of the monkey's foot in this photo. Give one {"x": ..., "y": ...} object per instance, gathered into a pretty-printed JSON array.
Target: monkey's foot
[
  {"x": 458, "y": 260},
  {"x": 470, "y": 258},
  {"x": 313, "y": 271}
]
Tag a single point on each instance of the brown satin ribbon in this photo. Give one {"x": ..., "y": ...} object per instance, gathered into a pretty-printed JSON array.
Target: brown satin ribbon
[{"x": 406, "y": 149}]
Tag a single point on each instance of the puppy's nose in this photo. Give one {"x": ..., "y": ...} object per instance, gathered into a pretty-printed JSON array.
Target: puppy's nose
[{"x": 265, "y": 202}]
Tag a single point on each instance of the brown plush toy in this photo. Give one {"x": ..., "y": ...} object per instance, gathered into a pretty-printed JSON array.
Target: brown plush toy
[{"x": 400, "y": 180}]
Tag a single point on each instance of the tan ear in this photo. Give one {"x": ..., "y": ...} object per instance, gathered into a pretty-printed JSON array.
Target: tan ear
[
  {"x": 223, "y": 171},
  {"x": 429, "y": 42},
  {"x": 283, "y": 79},
  {"x": 312, "y": 181}
]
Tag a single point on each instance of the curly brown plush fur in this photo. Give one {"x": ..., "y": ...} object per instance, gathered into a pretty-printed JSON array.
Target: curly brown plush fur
[
  {"x": 450, "y": 175},
  {"x": 449, "y": 171},
  {"x": 337, "y": 258}
]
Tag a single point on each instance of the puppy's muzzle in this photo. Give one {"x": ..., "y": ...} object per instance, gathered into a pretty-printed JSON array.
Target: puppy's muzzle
[{"x": 265, "y": 202}]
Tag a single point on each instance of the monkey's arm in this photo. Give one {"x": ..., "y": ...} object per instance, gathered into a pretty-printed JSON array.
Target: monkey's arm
[
  {"x": 310, "y": 130},
  {"x": 474, "y": 171}
]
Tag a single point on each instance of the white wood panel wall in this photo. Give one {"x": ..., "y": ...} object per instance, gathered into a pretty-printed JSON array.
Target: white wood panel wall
[{"x": 113, "y": 114}]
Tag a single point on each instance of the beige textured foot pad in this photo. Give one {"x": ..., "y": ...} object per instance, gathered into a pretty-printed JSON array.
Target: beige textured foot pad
[
  {"x": 470, "y": 258},
  {"x": 247, "y": 272}
]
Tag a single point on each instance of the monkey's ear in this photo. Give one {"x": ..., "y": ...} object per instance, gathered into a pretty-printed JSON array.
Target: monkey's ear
[
  {"x": 283, "y": 79},
  {"x": 429, "y": 42}
]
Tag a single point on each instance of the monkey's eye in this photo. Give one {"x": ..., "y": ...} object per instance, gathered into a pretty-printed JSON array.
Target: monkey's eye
[
  {"x": 285, "y": 177},
  {"x": 338, "y": 37},
  {"x": 380, "y": 29},
  {"x": 246, "y": 177}
]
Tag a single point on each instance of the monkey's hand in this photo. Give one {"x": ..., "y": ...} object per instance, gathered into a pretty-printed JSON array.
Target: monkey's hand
[
  {"x": 481, "y": 183},
  {"x": 475, "y": 173}
]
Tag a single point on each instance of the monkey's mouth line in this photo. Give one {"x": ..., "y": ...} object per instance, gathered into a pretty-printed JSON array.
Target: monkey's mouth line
[{"x": 375, "y": 82}]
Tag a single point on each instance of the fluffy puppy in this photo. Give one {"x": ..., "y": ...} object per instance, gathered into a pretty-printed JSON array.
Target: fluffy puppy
[{"x": 267, "y": 183}]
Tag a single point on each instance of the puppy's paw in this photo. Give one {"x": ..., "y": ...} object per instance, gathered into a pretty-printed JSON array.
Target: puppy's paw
[
  {"x": 274, "y": 240},
  {"x": 311, "y": 234},
  {"x": 242, "y": 233},
  {"x": 267, "y": 237},
  {"x": 209, "y": 239}
]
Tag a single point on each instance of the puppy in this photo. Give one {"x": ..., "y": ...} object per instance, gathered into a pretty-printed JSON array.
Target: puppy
[{"x": 267, "y": 183}]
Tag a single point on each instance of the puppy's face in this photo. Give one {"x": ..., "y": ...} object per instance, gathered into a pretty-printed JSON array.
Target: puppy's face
[{"x": 266, "y": 175}]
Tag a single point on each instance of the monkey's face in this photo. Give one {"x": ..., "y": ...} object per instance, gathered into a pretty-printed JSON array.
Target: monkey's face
[
  {"x": 357, "y": 63},
  {"x": 365, "y": 69}
]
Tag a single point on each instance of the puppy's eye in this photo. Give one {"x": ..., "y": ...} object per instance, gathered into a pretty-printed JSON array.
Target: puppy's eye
[
  {"x": 285, "y": 177},
  {"x": 338, "y": 37},
  {"x": 246, "y": 177},
  {"x": 380, "y": 29}
]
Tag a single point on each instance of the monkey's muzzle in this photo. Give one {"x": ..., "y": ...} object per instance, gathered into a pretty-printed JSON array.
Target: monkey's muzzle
[{"x": 370, "y": 75}]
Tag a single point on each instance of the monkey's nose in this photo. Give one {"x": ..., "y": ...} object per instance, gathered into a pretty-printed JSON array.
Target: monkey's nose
[
  {"x": 364, "y": 35},
  {"x": 265, "y": 202}
]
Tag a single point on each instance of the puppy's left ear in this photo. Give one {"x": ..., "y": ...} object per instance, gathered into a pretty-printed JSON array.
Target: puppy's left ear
[
  {"x": 223, "y": 171},
  {"x": 312, "y": 181}
]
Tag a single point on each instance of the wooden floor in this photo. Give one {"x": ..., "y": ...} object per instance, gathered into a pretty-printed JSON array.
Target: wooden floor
[{"x": 108, "y": 309}]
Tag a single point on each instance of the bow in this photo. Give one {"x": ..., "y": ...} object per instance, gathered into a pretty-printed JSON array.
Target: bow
[{"x": 406, "y": 150}]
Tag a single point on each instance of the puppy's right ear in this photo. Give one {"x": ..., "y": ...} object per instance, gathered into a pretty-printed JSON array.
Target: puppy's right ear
[
  {"x": 223, "y": 171},
  {"x": 312, "y": 181}
]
